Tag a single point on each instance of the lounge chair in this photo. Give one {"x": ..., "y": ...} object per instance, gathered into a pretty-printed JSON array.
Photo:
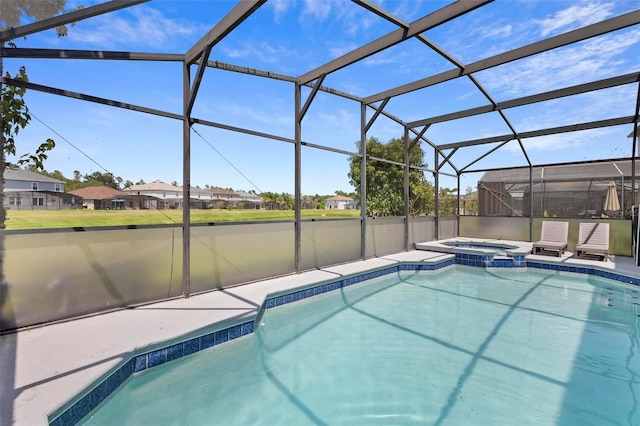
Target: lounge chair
[
  {"x": 553, "y": 237},
  {"x": 593, "y": 238}
]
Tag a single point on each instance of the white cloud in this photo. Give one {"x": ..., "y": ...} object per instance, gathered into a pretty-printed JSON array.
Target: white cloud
[
  {"x": 586, "y": 61},
  {"x": 317, "y": 9},
  {"x": 408, "y": 10},
  {"x": 280, "y": 8},
  {"x": 575, "y": 16},
  {"x": 142, "y": 26},
  {"x": 341, "y": 118},
  {"x": 338, "y": 49},
  {"x": 496, "y": 32},
  {"x": 263, "y": 51}
]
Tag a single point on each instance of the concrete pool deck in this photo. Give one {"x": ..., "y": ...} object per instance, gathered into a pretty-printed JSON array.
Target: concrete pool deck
[{"x": 42, "y": 368}]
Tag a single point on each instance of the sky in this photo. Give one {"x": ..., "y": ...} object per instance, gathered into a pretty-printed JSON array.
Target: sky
[{"x": 295, "y": 37}]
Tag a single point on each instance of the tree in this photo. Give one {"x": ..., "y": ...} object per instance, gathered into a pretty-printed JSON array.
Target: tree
[
  {"x": 470, "y": 205},
  {"x": 447, "y": 200},
  {"x": 385, "y": 181},
  {"x": 270, "y": 199},
  {"x": 102, "y": 179}
]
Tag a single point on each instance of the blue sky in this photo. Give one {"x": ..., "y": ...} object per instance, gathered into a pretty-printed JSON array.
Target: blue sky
[{"x": 294, "y": 37}]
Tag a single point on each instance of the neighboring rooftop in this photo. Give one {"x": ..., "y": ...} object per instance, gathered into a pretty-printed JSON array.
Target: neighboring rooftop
[
  {"x": 26, "y": 175},
  {"x": 98, "y": 193}
]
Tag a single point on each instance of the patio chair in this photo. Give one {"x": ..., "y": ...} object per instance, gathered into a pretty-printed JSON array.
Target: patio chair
[
  {"x": 553, "y": 237},
  {"x": 593, "y": 238}
]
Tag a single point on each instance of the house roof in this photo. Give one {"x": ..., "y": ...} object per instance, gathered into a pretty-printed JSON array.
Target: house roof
[
  {"x": 247, "y": 194},
  {"x": 603, "y": 170},
  {"x": 339, "y": 198},
  {"x": 158, "y": 185},
  {"x": 98, "y": 193},
  {"x": 221, "y": 191},
  {"x": 19, "y": 174}
]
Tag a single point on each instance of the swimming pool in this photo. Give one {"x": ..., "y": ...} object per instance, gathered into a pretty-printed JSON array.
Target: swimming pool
[{"x": 459, "y": 346}]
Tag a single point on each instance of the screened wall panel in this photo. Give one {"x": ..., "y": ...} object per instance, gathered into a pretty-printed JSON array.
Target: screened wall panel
[
  {"x": 56, "y": 275},
  {"x": 384, "y": 235},
  {"x": 447, "y": 227},
  {"x": 329, "y": 242},
  {"x": 224, "y": 255},
  {"x": 502, "y": 228},
  {"x": 421, "y": 229}
]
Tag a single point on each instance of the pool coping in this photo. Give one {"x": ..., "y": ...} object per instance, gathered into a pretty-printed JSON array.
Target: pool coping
[{"x": 48, "y": 380}]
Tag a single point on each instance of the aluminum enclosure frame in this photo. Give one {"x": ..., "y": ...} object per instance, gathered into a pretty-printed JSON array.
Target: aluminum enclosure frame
[{"x": 198, "y": 56}]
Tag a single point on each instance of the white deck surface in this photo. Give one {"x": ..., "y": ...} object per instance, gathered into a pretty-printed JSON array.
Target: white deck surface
[{"x": 43, "y": 368}]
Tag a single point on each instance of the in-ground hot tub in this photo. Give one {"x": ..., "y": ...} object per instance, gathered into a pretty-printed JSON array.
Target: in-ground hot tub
[
  {"x": 478, "y": 246},
  {"x": 481, "y": 252}
]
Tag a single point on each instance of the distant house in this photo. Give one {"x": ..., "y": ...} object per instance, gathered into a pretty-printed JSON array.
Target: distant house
[
  {"x": 103, "y": 198},
  {"x": 26, "y": 190},
  {"x": 249, "y": 200},
  {"x": 223, "y": 197},
  {"x": 339, "y": 202},
  {"x": 157, "y": 195},
  {"x": 200, "y": 198}
]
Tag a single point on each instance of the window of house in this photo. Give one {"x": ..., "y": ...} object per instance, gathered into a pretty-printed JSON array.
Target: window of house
[
  {"x": 14, "y": 201},
  {"x": 34, "y": 186},
  {"x": 38, "y": 201},
  {"x": 58, "y": 187}
]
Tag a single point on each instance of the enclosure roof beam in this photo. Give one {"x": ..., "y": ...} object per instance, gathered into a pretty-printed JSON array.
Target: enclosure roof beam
[
  {"x": 10, "y": 52},
  {"x": 492, "y": 150},
  {"x": 543, "y": 132},
  {"x": 201, "y": 50},
  {"x": 418, "y": 137},
  {"x": 312, "y": 95},
  {"x": 446, "y": 158},
  {"x": 197, "y": 79},
  {"x": 270, "y": 136},
  {"x": 425, "y": 23},
  {"x": 88, "y": 98},
  {"x": 235, "y": 17},
  {"x": 527, "y": 100},
  {"x": 67, "y": 18},
  {"x": 540, "y": 166},
  {"x": 276, "y": 76},
  {"x": 372, "y": 7},
  {"x": 613, "y": 24},
  {"x": 377, "y": 112}
]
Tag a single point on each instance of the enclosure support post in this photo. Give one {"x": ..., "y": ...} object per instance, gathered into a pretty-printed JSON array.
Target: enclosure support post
[
  {"x": 406, "y": 188},
  {"x": 186, "y": 184},
  {"x": 530, "y": 202},
  {"x": 363, "y": 181},
  {"x": 297, "y": 175},
  {"x": 436, "y": 206},
  {"x": 633, "y": 150},
  {"x": 458, "y": 210}
]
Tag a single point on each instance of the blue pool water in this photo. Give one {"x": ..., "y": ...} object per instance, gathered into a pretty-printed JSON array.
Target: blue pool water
[{"x": 463, "y": 346}]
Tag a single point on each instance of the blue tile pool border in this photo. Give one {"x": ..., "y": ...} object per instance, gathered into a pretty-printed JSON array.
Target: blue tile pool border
[
  {"x": 587, "y": 270},
  {"x": 138, "y": 363},
  {"x": 490, "y": 261}
]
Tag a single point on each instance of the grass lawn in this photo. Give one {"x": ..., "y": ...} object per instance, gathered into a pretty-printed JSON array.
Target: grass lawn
[{"x": 35, "y": 219}]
